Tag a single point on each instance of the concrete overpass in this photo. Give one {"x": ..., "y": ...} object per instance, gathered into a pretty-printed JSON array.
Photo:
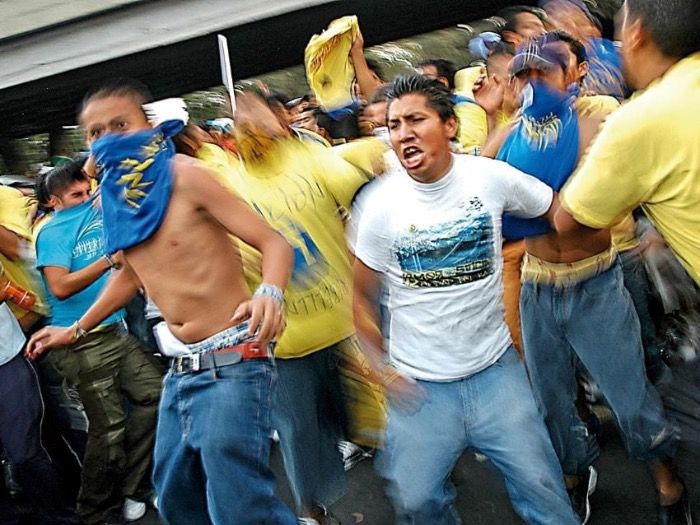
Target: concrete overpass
[{"x": 52, "y": 51}]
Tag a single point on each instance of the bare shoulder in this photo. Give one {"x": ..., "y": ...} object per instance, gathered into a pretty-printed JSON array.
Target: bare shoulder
[{"x": 186, "y": 169}]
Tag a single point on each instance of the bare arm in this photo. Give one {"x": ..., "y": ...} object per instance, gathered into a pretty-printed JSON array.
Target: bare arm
[
  {"x": 63, "y": 283},
  {"x": 238, "y": 219},
  {"x": 366, "y": 79},
  {"x": 401, "y": 390},
  {"x": 489, "y": 94},
  {"x": 564, "y": 223},
  {"x": 366, "y": 287},
  {"x": 10, "y": 244}
]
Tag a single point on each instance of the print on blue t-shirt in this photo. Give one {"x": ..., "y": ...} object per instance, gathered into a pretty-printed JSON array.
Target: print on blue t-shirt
[{"x": 74, "y": 239}]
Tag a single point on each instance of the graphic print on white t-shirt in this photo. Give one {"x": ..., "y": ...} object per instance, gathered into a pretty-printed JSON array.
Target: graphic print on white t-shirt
[{"x": 458, "y": 251}]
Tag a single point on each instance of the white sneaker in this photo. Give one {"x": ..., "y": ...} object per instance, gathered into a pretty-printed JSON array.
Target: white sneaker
[{"x": 133, "y": 510}]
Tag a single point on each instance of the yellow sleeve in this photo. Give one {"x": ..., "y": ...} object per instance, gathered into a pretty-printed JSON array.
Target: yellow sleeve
[
  {"x": 341, "y": 178},
  {"x": 619, "y": 172},
  {"x": 473, "y": 127},
  {"x": 366, "y": 154},
  {"x": 16, "y": 212}
]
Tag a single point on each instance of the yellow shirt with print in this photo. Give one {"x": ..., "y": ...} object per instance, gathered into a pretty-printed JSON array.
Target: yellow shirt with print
[
  {"x": 300, "y": 189},
  {"x": 16, "y": 212},
  {"x": 648, "y": 154}
]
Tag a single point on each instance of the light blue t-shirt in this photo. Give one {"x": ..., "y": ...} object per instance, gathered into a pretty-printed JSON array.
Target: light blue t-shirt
[{"x": 74, "y": 239}]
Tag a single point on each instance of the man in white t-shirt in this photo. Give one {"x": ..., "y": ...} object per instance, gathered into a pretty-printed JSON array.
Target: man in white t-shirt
[{"x": 452, "y": 377}]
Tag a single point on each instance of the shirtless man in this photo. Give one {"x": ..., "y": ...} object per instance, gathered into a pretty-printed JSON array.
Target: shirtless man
[
  {"x": 573, "y": 304},
  {"x": 213, "y": 427}
]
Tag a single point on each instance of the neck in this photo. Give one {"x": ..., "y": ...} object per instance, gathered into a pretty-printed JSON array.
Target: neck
[
  {"x": 655, "y": 66},
  {"x": 437, "y": 174}
]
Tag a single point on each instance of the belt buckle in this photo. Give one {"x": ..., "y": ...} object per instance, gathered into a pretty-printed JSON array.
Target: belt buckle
[
  {"x": 194, "y": 362},
  {"x": 178, "y": 365}
]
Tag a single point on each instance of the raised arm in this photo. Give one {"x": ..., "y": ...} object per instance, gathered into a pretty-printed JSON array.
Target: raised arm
[{"x": 366, "y": 79}]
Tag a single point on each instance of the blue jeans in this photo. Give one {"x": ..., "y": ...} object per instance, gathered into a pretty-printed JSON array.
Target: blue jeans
[
  {"x": 637, "y": 284},
  {"x": 309, "y": 415},
  {"x": 593, "y": 322},
  {"x": 492, "y": 412},
  {"x": 211, "y": 459}
]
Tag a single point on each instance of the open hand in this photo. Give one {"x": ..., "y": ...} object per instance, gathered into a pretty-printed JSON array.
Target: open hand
[
  {"x": 265, "y": 314},
  {"x": 48, "y": 338}
]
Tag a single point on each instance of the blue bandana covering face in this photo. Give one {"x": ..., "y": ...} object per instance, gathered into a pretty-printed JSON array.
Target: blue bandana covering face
[
  {"x": 136, "y": 183},
  {"x": 545, "y": 145}
]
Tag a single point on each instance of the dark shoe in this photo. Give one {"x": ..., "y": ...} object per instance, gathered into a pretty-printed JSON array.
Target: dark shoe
[
  {"x": 580, "y": 495},
  {"x": 678, "y": 513}
]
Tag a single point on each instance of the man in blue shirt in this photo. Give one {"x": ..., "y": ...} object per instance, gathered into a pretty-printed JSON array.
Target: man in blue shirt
[{"x": 106, "y": 364}]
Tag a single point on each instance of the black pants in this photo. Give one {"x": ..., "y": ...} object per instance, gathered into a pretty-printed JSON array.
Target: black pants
[{"x": 21, "y": 410}]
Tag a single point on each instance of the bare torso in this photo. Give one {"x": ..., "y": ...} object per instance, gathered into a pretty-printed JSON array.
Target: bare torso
[
  {"x": 189, "y": 267},
  {"x": 556, "y": 248}
]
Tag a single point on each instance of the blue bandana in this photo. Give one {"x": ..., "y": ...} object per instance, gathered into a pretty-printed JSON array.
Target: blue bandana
[
  {"x": 136, "y": 183},
  {"x": 545, "y": 145},
  {"x": 604, "y": 69}
]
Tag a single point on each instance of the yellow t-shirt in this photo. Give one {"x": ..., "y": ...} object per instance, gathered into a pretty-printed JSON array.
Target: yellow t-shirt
[
  {"x": 473, "y": 127},
  {"x": 300, "y": 189},
  {"x": 622, "y": 234},
  {"x": 648, "y": 154},
  {"x": 217, "y": 158},
  {"x": 16, "y": 212},
  {"x": 366, "y": 154}
]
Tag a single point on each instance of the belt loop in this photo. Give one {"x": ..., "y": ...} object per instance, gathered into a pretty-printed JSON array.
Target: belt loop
[{"x": 214, "y": 368}]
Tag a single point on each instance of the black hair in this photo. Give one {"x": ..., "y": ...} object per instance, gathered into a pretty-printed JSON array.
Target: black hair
[
  {"x": 574, "y": 44},
  {"x": 502, "y": 48},
  {"x": 58, "y": 180},
  {"x": 510, "y": 16},
  {"x": 379, "y": 94},
  {"x": 444, "y": 68},
  {"x": 674, "y": 25},
  {"x": 438, "y": 96},
  {"x": 123, "y": 87}
]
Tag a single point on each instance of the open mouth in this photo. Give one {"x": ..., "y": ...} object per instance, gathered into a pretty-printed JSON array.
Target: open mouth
[{"x": 412, "y": 157}]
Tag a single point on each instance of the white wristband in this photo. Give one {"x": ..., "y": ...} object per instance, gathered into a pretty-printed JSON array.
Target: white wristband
[{"x": 270, "y": 290}]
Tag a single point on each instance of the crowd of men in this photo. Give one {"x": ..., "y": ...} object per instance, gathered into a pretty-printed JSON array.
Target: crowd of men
[{"x": 453, "y": 262}]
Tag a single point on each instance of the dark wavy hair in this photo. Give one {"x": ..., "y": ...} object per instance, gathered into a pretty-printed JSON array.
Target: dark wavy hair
[{"x": 437, "y": 94}]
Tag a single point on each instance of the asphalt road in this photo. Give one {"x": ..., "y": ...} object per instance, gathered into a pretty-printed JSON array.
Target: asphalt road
[{"x": 625, "y": 493}]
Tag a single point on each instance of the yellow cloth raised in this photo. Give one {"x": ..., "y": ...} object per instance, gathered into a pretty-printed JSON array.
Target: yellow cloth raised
[
  {"x": 300, "y": 189},
  {"x": 466, "y": 78},
  {"x": 329, "y": 70},
  {"x": 473, "y": 127},
  {"x": 16, "y": 213},
  {"x": 648, "y": 154}
]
